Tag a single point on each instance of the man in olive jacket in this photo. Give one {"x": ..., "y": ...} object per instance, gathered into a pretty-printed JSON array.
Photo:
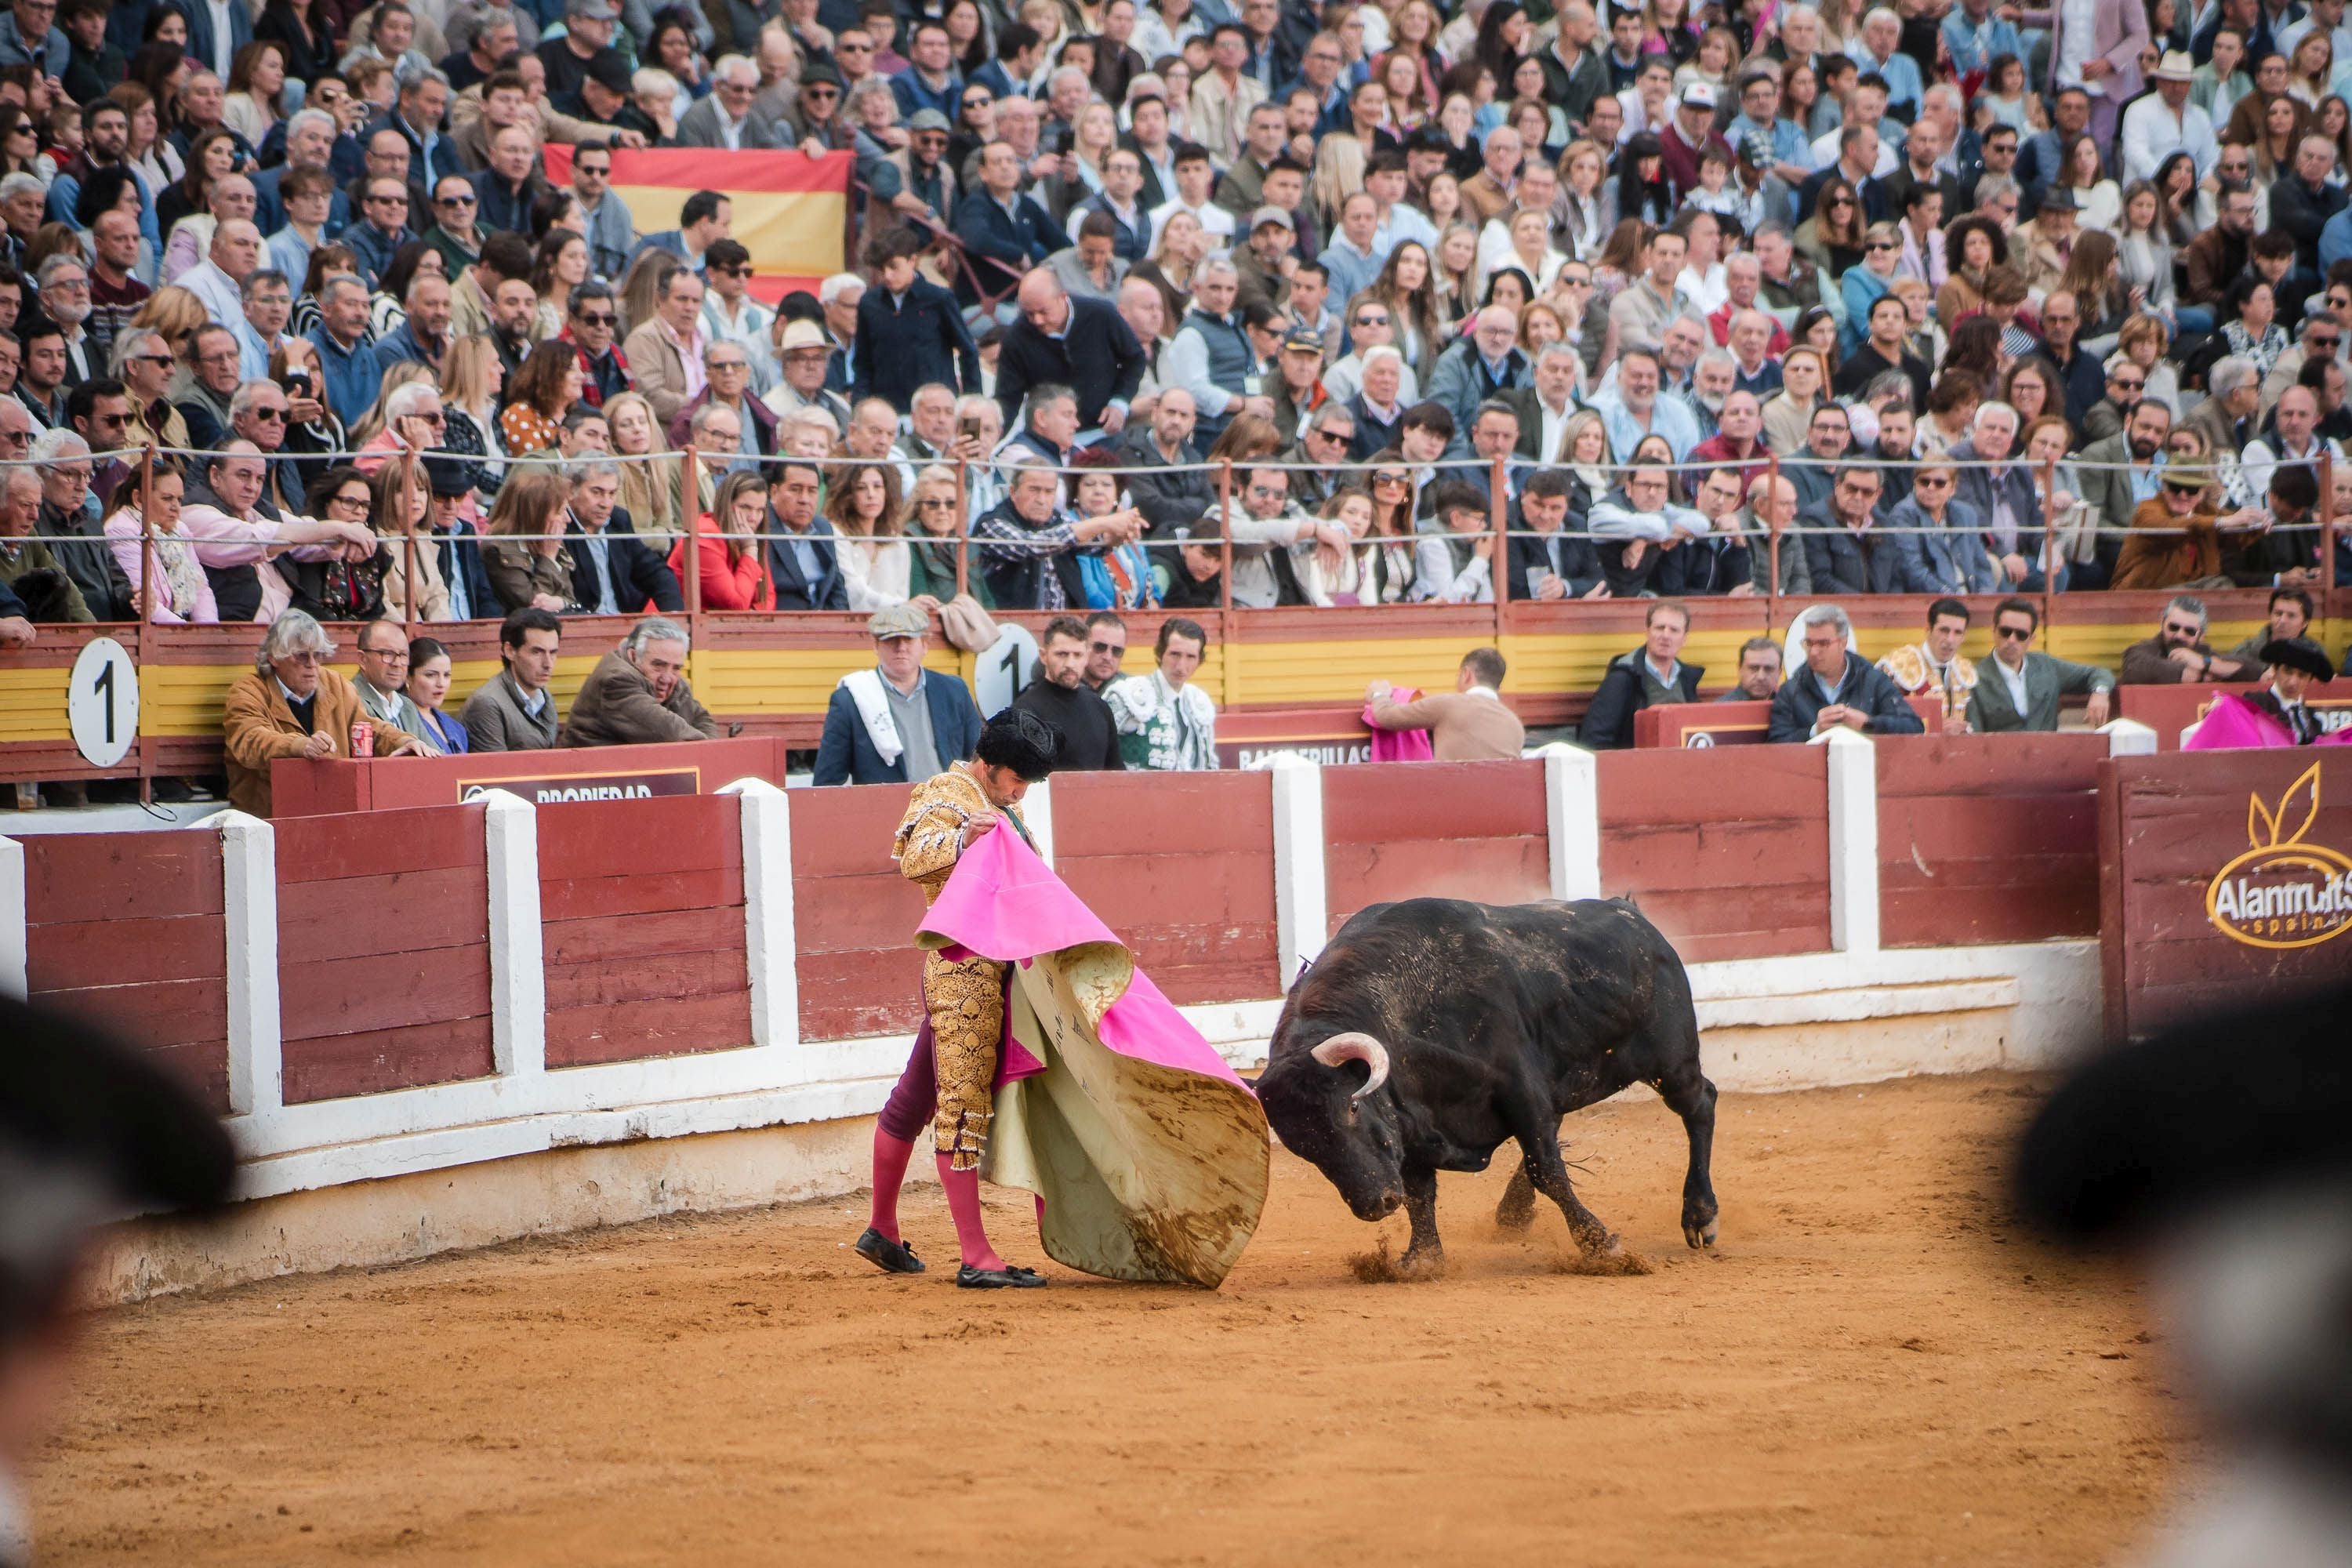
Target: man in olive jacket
[{"x": 637, "y": 695}]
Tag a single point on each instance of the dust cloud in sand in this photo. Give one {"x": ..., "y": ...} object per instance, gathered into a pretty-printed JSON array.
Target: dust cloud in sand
[{"x": 1876, "y": 1368}]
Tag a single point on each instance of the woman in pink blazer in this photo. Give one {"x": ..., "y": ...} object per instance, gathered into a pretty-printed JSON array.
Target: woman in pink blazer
[{"x": 178, "y": 592}]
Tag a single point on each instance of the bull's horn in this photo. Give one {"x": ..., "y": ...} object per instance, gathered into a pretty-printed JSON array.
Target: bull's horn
[{"x": 1356, "y": 1047}]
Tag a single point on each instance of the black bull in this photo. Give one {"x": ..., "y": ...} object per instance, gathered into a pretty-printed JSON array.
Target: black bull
[{"x": 1431, "y": 1031}]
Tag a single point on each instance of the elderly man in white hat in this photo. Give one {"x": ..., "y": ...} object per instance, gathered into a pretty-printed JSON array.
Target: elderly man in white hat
[
  {"x": 2165, "y": 122},
  {"x": 804, "y": 349}
]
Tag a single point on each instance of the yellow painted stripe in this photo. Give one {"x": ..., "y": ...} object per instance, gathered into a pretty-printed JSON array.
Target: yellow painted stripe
[{"x": 798, "y": 234}]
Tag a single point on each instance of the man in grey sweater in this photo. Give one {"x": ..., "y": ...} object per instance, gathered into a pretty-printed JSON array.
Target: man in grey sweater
[{"x": 514, "y": 711}]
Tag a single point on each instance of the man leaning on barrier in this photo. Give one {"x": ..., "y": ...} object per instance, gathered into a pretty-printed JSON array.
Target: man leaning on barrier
[
  {"x": 292, "y": 705},
  {"x": 1837, "y": 687},
  {"x": 638, "y": 695}
]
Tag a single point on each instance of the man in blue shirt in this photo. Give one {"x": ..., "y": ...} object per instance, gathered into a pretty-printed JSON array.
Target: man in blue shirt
[
  {"x": 347, "y": 361},
  {"x": 1975, "y": 35},
  {"x": 1881, "y": 31},
  {"x": 382, "y": 227},
  {"x": 29, "y": 36}
]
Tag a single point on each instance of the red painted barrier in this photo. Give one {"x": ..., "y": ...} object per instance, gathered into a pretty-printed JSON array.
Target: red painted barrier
[
  {"x": 2168, "y": 709},
  {"x": 1699, "y": 725},
  {"x": 859, "y": 972},
  {"x": 383, "y": 958},
  {"x": 1989, "y": 838},
  {"x": 2224, "y": 876},
  {"x": 642, "y": 908},
  {"x": 565, "y": 775},
  {"x": 1446, "y": 830},
  {"x": 1727, "y": 854},
  {"x": 1181, "y": 867},
  {"x": 125, "y": 930}
]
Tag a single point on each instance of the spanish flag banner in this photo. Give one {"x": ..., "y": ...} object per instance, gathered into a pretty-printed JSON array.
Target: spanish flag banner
[{"x": 790, "y": 209}]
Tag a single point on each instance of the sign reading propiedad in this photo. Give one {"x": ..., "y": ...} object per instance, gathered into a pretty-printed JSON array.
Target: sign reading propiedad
[{"x": 2283, "y": 891}]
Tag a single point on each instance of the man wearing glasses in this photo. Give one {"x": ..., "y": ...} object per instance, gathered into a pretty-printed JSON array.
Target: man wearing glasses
[
  {"x": 382, "y": 227},
  {"x": 292, "y": 705},
  {"x": 2017, "y": 689},
  {"x": 2125, "y": 383},
  {"x": 1370, "y": 327},
  {"x": 591, "y": 323},
  {"x": 144, "y": 366},
  {"x": 454, "y": 232},
  {"x": 727, "y": 117},
  {"x": 612, "y": 229}
]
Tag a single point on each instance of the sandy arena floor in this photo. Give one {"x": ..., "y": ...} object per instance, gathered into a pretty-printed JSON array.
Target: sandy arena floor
[{"x": 1874, "y": 1371}]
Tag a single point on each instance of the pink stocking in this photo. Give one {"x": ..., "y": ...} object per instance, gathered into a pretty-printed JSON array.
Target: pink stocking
[
  {"x": 963, "y": 1204},
  {"x": 890, "y": 1158}
]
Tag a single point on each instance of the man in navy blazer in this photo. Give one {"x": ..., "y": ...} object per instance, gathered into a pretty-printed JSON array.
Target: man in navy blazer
[
  {"x": 471, "y": 597},
  {"x": 201, "y": 43},
  {"x": 896, "y": 722},
  {"x": 1004, "y": 233},
  {"x": 614, "y": 572},
  {"x": 801, "y": 561}
]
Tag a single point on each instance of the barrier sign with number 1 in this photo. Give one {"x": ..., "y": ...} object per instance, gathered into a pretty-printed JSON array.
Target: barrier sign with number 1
[
  {"x": 1005, "y": 668},
  {"x": 102, "y": 703}
]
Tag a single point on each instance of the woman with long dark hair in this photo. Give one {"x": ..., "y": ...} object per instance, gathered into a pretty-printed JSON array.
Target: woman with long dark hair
[
  {"x": 550, "y": 382},
  {"x": 1408, "y": 287},
  {"x": 1831, "y": 239},
  {"x": 212, "y": 158},
  {"x": 1639, "y": 188}
]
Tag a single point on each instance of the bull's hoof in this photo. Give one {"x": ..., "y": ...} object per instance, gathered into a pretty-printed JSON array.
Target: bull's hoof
[
  {"x": 1616, "y": 1259},
  {"x": 1384, "y": 1267},
  {"x": 1515, "y": 1213},
  {"x": 1700, "y": 1234},
  {"x": 1422, "y": 1263}
]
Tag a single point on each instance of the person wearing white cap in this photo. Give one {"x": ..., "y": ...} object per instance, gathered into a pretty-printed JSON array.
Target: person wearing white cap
[
  {"x": 1690, "y": 134},
  {"x": 2165, "y": 122}
]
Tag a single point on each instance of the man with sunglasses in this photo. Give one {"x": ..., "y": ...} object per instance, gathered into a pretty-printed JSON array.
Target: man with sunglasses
[
  {"x": 731, "y": 315},
  {"x": 592, "y": 321},
  {"x": 2177, "y": 655},
  {"x": 456, "y": 232},
  {"x": 2126, "y": 384},
  {"x": 1369, "y": 326},
  {"x": 2018, "y": 690},
  {"x": 612, "y": 228},
  {"x": 144, "y": 365}
]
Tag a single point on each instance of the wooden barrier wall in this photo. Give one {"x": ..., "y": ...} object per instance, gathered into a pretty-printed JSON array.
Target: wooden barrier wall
[
  {"x": 1987, "y": 838},
  {"x": 1445, "y": 830},
  {"x": 125, "y": 929},
  {"x": 2175, "y": 831},
  {"x": 854, "y": 914},
  {"x": 383, "y": 958},
  {"x": 641, "y": 904},
  {"x": 1182, "y": 866},
  {"x": 1727, "y": 850}
]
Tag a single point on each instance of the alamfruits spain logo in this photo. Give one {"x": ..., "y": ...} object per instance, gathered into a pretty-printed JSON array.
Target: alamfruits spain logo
[{"x": 2283, "y": 892}]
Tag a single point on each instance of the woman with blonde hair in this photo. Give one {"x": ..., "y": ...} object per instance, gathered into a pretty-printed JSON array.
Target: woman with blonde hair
[
  {"x": 471, "y": 378},
  {"x": 1183, "y": 242},
  {"x": 177, "y": 314},
  {"x": 2311, "y": 68},
  {"x": 522, "y": 549},
  {"x": 649, "y": 475},
  {"x": 1531, "y": 248},
  {"x": 1339, "y": 174},
  {"x": 180, "y": 594},
  {"x": 397, "y": 498},
  {"x": 862, "y": 503},
  {"x": 932, "y": 551},
  {"x": 1456, "y": 266},
  {"x": 1584, "y": 452},
  {"x": 1580, "y": 211},
  {"x": 732, "y": 561},
  {"x": 1408, "y": 89}
]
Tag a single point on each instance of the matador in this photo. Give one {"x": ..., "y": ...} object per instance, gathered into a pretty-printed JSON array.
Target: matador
[{"x": 951, "y": 1078}]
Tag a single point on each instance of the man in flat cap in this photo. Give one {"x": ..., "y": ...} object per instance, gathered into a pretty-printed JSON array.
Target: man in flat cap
[{"x": 898, "y": 721}]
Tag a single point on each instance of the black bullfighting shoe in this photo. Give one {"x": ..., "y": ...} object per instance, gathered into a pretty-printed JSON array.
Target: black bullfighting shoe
[
  {"x": 1011, "y": 1276},
  {"x": 888, "y": 1256}
]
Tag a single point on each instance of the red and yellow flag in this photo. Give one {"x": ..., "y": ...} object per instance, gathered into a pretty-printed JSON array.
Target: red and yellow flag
[{"x": 790, "y": 209}]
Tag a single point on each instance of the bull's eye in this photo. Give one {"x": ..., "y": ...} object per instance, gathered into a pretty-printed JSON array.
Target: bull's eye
[{"x": 1352, "y": 1112}]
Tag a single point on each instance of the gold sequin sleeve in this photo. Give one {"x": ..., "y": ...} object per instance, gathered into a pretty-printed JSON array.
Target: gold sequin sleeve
[{"x": 930, "y": 836}]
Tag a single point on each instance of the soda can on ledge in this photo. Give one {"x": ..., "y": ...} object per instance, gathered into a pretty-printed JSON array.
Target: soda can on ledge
[{"x": 362, "y": 738}]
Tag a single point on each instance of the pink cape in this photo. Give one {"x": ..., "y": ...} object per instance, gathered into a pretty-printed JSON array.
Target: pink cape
[
  {"x": 1149, "y": 1151},
  {"x": 1399, "y": 745},
  {"x": 2234, "y": 723}
]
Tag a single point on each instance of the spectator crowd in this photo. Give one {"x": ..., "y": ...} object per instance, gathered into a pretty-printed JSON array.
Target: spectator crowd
[{"x": 1184, "y": 305}]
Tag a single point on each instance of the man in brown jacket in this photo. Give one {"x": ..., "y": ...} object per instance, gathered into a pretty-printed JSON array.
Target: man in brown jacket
[
  {"x": 660, "y": 347},
  {"x": 637, "y": 694},
  {"x": 292, "y": 705},
  {"x": 1467, "y": 724}
]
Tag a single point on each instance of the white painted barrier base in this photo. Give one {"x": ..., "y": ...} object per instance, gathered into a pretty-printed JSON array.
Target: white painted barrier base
[{"x": 1766, "y": 1025}]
